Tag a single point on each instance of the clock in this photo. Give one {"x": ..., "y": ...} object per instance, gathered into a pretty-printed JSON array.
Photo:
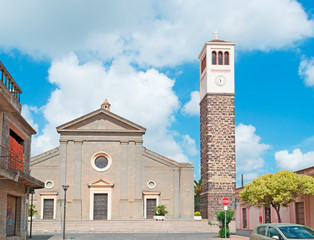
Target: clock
[{"x": 220, "y": 80}]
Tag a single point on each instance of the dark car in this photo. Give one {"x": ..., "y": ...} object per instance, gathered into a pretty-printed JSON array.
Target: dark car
[{"x": 281, "y": 231}]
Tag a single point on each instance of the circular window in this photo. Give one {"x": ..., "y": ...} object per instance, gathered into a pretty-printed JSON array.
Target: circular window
[
  {"x": 151, "y": 184},
  {"x": 101, "y": 161},
  {"x": 49, "y": 184}
]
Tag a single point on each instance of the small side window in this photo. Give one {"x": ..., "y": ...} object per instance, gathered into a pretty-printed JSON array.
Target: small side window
[
  {"x": 261, "y": 230},
  {"x": 273, "y": 232}
]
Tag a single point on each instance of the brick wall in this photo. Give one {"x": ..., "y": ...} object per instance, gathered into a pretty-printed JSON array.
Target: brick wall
[{"x": 217, "y": 151}]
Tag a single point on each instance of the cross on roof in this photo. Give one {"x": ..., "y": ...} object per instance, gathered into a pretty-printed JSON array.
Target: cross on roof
[{"x": 216, "y": 34}]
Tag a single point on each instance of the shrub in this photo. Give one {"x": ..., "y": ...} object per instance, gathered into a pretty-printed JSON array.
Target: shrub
[
  {"x": 29, "y": 210},
  {"x": 222, "y": 233},
  {"x": 161, "y": 210},
  {"x": 197, "y": 213},
  {"x": 220, "y": 215}
]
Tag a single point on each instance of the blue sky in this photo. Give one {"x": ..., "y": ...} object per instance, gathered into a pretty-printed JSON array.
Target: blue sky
[{"x": 69, "y": 56}]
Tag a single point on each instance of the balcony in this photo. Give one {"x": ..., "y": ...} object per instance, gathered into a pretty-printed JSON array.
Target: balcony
[
  {"x": 15, "y": 169},
  {"x": 10, "y": 92},
  {"x": 11, "y": 161}
]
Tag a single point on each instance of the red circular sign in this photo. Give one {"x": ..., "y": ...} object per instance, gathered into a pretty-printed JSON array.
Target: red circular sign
[{"x": 225, "y": 201}]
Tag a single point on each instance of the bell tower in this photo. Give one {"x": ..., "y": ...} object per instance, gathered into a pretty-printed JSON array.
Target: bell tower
[{"x": 217, "y": 124}]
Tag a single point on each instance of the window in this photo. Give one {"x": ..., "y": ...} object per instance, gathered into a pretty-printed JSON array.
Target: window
[
  {"x": 214, "y": 58},
  {"x": 261, "y": 230},
  {"x": 49, "y": 184},
  {"x": 101, "y": 161},
  {"x": 219, "y": 58},
  {"x": 299, "y": 213},
  {"x": 151, "y": 184},
  {"x": 226, "y": 58},
  {"x": 297, "y": 232},
  {"x": 244, "y": 217},
  {"x": 273, "y": 232}
]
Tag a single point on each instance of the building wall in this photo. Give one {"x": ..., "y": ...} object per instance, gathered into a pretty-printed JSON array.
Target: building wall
[
  {"x": 217, "y": 152},
  {"x": 287, "y": 214},
  {"x": 15, "y": 189},
  {"x": 130, "y": 172}
]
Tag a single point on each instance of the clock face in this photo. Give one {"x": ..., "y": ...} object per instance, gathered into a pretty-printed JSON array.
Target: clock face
[{"x": 220, "y": 80}]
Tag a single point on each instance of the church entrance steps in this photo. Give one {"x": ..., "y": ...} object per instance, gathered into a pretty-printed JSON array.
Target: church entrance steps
[{"x": 125, "y": 226}]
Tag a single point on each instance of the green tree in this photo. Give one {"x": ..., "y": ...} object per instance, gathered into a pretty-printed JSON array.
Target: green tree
[
  {"x": 277, "y": 190},
  {"x": 197, "y": 194},
  {"x": 220, "y": 215}
]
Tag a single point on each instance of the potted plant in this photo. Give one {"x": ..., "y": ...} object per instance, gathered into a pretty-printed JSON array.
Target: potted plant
[
  {"x": 160, "y": 213},
  {"x": 197, "y": 216}
]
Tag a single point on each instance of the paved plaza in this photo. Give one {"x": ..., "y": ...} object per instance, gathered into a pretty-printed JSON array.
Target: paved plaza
[
  {"x": 129, "y": 236},
  {"x": 129, "y": 230},
  {"x": 136, "y": 236}
]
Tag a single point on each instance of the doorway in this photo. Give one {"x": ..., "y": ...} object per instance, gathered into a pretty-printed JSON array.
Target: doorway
[
  {"x": 100, "y": 206},
  {"x": 151, "y": 204}
]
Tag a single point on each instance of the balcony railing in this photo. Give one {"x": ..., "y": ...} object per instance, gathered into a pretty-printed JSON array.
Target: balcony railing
[
  {"x": 8, "y": 81},
  {"x": 11, "y": 161}
]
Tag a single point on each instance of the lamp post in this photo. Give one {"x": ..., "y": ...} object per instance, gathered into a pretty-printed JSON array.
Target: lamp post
[
  {"x": 31, "y": 191},
  {"x": 65, "y": 188}
]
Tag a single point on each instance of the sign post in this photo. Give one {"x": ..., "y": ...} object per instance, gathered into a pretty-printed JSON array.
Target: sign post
[{"x": 225, "y": 202}]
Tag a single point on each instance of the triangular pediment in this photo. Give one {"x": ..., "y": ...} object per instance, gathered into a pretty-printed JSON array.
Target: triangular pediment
[
  {"x": 101, "y": 182},
  {"x": 101, "y": 121}
]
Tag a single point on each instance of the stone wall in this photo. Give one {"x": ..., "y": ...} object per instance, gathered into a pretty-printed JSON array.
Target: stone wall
[{"x": 217, "y": 151}]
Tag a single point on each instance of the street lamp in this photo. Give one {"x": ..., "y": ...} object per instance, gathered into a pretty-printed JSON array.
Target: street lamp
[
  {"x": 31, "y": 191},
  {"x": 65, "y": 188}
]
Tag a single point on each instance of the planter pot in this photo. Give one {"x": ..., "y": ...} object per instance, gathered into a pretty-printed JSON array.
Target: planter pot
[
  {"x": 197, "y": 218},
  {"x": 159, "y": 218}
]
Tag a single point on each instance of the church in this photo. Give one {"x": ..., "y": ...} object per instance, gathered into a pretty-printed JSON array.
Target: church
[{"x": 111, "y": 175}]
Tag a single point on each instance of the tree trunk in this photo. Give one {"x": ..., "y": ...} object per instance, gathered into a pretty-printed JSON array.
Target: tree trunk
[{"x": 277, "y": 208}]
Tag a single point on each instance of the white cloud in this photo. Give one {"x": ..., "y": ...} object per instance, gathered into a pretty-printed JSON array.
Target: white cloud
[
  {"x": 157, "y": 33},
  {"x": 193, "y": 106},
  {"x": 145, "y": 97},
  {"x": 306, "y": 71},
  {"x": 249, "y": 150},
  {"x": 27, "y": 113},
  {"x": 250, "y": 176},
  {"x": 294, "y": 161},
  {"x": 189, "y": 145}
]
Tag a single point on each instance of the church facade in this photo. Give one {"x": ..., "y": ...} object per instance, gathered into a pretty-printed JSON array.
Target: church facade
[{"x": 111, "y": 175}]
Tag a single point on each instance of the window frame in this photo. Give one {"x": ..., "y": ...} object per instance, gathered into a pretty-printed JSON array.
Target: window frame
[{"x": 98, "y": 154}]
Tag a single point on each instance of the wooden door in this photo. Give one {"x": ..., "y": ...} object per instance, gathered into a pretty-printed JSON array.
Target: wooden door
[
  {"x": 244, "y": 217},
  {"x": 48, "y": 208},
  {"x": 100, "y": 206},
  {"x": 11, "y": 216},
  {"x": 150, "y": 208},
  {"x": 299, "y": 213}
]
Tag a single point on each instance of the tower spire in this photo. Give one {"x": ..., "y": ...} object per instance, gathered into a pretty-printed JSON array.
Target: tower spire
[{"x": 106, "y": 105}]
